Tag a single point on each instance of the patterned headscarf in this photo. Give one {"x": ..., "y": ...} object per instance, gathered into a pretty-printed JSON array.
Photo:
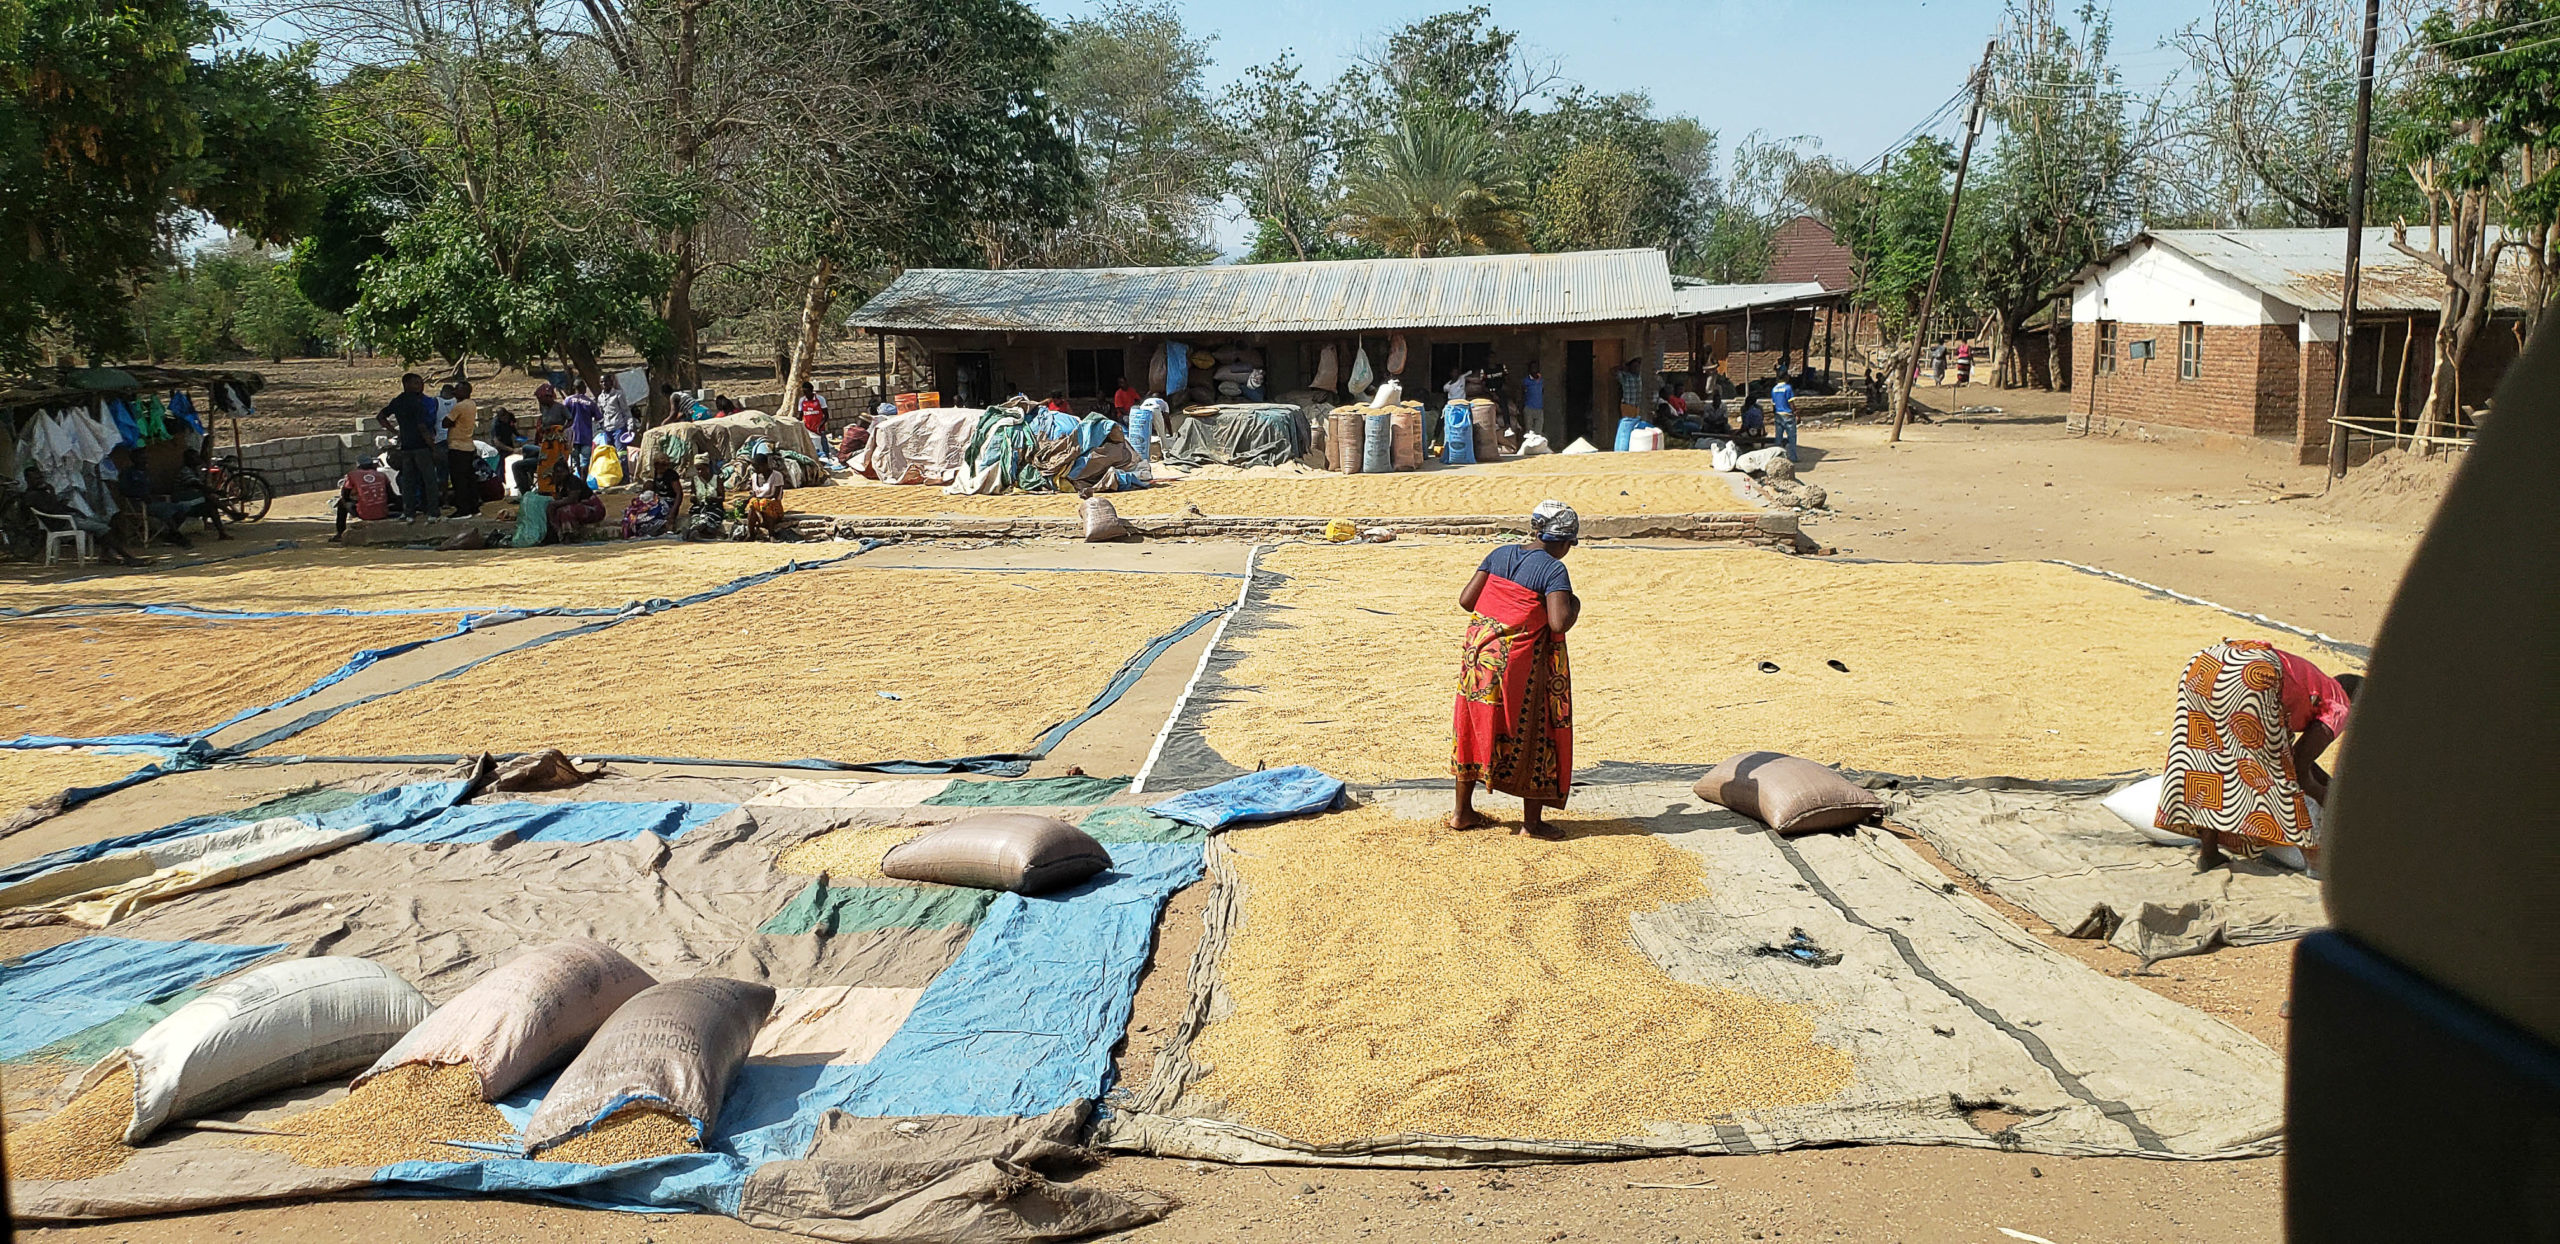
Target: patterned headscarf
[{"x": 1554, "y": 520}]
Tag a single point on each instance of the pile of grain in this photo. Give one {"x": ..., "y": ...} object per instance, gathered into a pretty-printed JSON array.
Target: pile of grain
[
  {"x": 83, "y": 1140},
  {"x": 1594, "y": 484},
  {"x": 627, "y": 1135},
  {"x": 2023, "y": 669},
  {"x": 329, "y": 577},
  {"x": 33, "y": 777},
  {"x": 795, "y": 668},
  {"x": 848, "y": 856},
  {"x": 401, "y": 1115},
  {"x": 81, "y": 677},
  {"x": 1389, "y": 976}
]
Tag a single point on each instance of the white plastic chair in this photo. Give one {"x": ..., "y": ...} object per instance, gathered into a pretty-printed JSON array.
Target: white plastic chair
[{"x": 61, "y": 527}]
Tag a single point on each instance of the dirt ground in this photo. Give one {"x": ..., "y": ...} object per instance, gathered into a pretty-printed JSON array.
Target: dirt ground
[
  {"x": 316, "y": 396},
  {"x": 2014, "y": 485}
]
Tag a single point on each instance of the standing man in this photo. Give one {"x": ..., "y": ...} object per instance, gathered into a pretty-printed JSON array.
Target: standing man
[
  {"x": 1630, "y": 390},
  {"x": 461, "y": 458},
  {"x": 813, "y": 412},
  {"x": 1533, "y": 399},
  {"x": 419, "y": 456},
  {"x": 1938, "y": 362},
  {"x": 1123, "y": 400},
  {"x": 581, "y": 404},
  {"x": 1782, "y": 411}
]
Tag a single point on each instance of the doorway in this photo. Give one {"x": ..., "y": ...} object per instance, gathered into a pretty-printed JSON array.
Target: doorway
[
  {"x": 1450, "y": 358},
  {"x": 1577, "y": 393},
  {"x": 972, "y": 380}
]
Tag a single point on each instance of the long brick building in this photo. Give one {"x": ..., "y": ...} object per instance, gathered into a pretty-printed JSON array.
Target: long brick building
[{"x": 2230, "y": 335}]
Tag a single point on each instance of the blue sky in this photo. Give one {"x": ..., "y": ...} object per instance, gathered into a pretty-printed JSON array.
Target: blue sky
[{"x": 1853, "y": 73}]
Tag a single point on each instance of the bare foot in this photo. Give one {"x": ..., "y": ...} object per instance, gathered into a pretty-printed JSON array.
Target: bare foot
[{"x": 1467, "y": 820}]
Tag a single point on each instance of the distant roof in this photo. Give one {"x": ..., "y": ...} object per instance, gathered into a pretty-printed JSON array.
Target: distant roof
[
  {"x": 1345, "y": 295},
  {"x": 1698, "y": 298},
  {"x": 2307, "y": 267},
  {"x": 1805, "y": 249}
]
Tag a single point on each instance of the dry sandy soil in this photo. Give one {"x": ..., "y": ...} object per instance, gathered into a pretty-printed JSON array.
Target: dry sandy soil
[
  {"x": 309, "y": 397},
  {"x": 2011, "y": 486}
]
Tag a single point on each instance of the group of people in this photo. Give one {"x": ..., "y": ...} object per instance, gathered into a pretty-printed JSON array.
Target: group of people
[
  {"x": 2242, "y": 775},
  {"x": 147, "y": 506},
  {"x": 695, "y": 501},
  {"x": 1960, "y": 352}
]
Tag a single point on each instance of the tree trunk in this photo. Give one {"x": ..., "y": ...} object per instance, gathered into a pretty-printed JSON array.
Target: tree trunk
[
  {"x": 581, "y": 357},
  {"x": 813, "y": 313},
  {"x": 2464, "y": 308}
]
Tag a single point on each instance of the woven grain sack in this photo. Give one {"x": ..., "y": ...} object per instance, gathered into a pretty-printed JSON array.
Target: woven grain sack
[
  {"x": 1787, "y": 793},
  {"x": 529, "y": 1015},
  {"x": 1102, "y": 522},
  {"x": 1017, "y": 851},
  {"x": 676, "y": 1046},
  {"x": 272, "y": 1028}
]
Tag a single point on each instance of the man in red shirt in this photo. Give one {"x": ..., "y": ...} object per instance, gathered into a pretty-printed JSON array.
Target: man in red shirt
[
  {"x": 365, "y": 493},
  {"x": 1123, "y": 398}
]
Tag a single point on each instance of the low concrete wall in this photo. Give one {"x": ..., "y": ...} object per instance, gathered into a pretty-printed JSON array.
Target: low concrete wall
[
  {"x": 1770, "y": 530},
  {"x": 304, "y": 463}
]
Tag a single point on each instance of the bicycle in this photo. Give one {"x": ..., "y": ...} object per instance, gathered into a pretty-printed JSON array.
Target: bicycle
[{"x": 240, "y": 493}]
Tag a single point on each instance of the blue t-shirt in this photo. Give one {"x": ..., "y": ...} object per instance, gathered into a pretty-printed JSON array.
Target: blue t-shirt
[
  {"x": 1533, "y": 393},
  {"x": 1534, "y": 569},
  {"x": 1782, "y": 398}
]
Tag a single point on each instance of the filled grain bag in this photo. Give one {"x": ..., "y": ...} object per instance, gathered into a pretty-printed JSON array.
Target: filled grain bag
[
  {"x": 1787, "y": 793},
  {"x": 1533, "y": 444},
  {"x": 1759, "y": 461},
  {"x": 672, "y": 1049},
  {"x": 1328, "y": 375},
  {"x": 1389, "y": 394},
  {"x": 527, "y": 1016},
  {"x": 271, "y": 1028},
  {"x": 1723, "y": 457},
  {"x": 2139, "y": 805},
  {"x": 1017, "y": 851},
  {"x": 1102, "y": 522}
]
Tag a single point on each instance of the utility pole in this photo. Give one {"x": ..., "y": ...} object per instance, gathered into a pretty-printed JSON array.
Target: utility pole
[
  {"x": 1920, "y": 337},
  {"x": 2355, "y": 239}
]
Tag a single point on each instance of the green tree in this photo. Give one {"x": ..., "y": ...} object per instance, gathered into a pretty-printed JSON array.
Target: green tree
[
  {"x": 1892, "y": 235},
  {"x": 1595, "y": 200},
  {"x": 2481, "y": 137},
  {"x": 1435, "y": 185},
  {"x": 1128, "y": 83},
  {"x": 1286, "y": 141},
  {"x": 115, "y": 118},
  {"x": 2262, "y": 138}
]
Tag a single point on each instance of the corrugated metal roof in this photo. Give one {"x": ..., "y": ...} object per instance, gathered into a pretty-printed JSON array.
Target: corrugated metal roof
[
  {"x": 2307, "y": 267},
  {"x": 1345, "y": 295},
  {"x": 1726, "y": 299}
]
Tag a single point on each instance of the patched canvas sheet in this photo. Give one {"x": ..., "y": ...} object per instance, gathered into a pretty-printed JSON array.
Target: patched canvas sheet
[
  {"x": 1959, "y": 1028},
  {"x": 2065, "y": 857}
]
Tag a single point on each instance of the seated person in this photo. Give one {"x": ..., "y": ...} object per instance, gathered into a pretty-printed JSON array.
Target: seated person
[
  {"x": 573, "y": 503},
  {"x": 191, "y": 489},
  {"x": 1716, "y": 424},
  {"x": 764, "y": 499},
  {"x": 42, "y": 498},
  {"x": 365, "y": 493},
  {"x": 1753, "y": 424},
  {"x": 706, "y": 509}
]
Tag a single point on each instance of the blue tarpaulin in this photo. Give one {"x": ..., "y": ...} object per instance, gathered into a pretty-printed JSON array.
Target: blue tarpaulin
[
  {"x": 62, "y": 990},
  {"x": 594, "y": 821},
  {"x": 1266, "y": 796},
  {"x": 390, "y": 810}
]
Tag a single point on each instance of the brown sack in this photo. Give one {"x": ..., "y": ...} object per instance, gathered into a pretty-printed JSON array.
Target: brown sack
[
  {"x": 1102, "y": 522},
  {"x": 531, "y": 1013},
  {"x": 1015, "y": 851},
  {"x": 676, "y": 1046},
  {"x": 1787, "y": 793}
]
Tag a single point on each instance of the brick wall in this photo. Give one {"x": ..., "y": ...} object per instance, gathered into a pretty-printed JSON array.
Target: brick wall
[
  {"x": 304, "y": 463},
  {"x": 2249, "y": 386}
]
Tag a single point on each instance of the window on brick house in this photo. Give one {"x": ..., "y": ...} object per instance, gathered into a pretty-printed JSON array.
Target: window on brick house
[
  {"x": 2106, "y": 347},
  {"x": 2190, "y": 351}
]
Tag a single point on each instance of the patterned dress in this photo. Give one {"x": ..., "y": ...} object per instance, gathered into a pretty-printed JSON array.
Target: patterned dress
[
  {"x": 1512, "y": 728},
  {"x": 2230, "y": 772}
]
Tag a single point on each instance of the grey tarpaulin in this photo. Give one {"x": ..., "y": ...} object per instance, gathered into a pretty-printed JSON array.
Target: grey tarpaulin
[
  {"x": 2069, "y": 860},
  {"x": 1238, "y": 435},
  {"x": 1945, "y": 1008}
]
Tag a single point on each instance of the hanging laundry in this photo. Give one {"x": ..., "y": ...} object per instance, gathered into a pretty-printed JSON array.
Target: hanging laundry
[
  {"x": 128, "y": 429},
  {"x": 152, "y": 419},
  {"x": 183, "y": 408},
  {"x": 1360, "y": 373}
]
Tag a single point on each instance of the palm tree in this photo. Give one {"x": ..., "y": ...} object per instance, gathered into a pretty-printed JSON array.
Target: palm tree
[{"x": 1435, "y": 185}]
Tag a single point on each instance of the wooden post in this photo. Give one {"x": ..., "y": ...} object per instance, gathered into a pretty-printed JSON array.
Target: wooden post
[
  {"x": 1928, "y": 297},
  {"x": 2363, "y": 141}
]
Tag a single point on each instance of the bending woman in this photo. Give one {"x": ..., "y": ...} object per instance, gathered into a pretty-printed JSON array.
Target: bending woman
[
  {"x": 2244, "y": 773},
  {"x": 1513, "y": 727}
]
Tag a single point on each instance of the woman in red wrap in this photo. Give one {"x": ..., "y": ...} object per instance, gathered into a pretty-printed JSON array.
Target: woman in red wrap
[{"x": 1513, "y": 728}]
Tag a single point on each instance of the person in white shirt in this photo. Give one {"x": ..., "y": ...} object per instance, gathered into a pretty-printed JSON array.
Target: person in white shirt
[{"x": 1457, "y": 387}]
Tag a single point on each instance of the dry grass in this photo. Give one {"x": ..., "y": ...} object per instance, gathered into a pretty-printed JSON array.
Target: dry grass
[
  {"x": 1659, "y": 483},
  {"x": 1511, "y": 1001},
  {"x": 82, "y": 677},
  {"x": 627, "y": 1135},
  {"x": 981, "y": 660},
  {"x": 83, "y": 1140},
  {"x": 381, "y": 577},
  {"x": 398, "y": 1116},
  {"x": 2023, "y": 669},
  {"x": 33, "y": 777}
]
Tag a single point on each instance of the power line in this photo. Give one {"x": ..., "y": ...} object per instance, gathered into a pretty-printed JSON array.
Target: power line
[
  {"x": 1936, "y": 116},
  {"x": 2521, "y": 47},
  {"x": 2502, "y": 30}
]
